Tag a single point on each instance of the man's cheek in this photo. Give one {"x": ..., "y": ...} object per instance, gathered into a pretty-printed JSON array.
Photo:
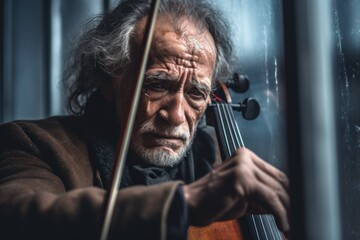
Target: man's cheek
[
  {"x": 198, "y": 114},
  {"x": 147, "y": 107}
]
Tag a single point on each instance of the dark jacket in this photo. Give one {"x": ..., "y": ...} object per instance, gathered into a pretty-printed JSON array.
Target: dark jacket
[{"x": 50, "y": 187}]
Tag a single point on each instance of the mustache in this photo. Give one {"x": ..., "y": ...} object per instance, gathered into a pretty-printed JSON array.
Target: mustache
[{"x": 173, "y": 132}]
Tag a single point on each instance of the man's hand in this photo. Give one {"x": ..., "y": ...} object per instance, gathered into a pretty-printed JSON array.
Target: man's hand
[{"x": 244, "y": 184}]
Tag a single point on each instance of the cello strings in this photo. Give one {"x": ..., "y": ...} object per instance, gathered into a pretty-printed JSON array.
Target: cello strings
[
  {"x": 229, "y": 115},
  {"x": 239, "y": 141},
  {"x": 229, "y": 124},
  {"x": 275, "y": 233},
  {"x": 260, "y": 218},
  {"x": 271, "y": 229},
  {"x": 274, "y": 224},
  {"x": 232, "y": 132},
  {"x": 223, "y": 127}
]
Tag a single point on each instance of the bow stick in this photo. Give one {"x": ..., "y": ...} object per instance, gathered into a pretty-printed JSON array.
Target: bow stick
[{"x": 125, "y": 135}]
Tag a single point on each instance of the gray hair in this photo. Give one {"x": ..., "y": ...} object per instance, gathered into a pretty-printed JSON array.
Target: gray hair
[{"x": 103, "y": 51}]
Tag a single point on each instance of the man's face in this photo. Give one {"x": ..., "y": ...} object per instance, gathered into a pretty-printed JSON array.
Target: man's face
[{"x": 175, "y": 93}]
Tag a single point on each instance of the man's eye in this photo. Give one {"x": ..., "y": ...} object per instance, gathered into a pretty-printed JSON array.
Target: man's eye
[
  {"x": 196, "y": 94},
  {"x": 156, "y": 86}
]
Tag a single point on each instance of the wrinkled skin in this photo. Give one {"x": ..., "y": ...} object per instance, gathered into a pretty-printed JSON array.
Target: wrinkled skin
[
  {"x": 176, "y": 89},
  {"x": 175, "y": 95}
]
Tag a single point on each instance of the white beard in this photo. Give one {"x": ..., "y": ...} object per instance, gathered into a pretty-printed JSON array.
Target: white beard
[{"x": 159, "y": 156}]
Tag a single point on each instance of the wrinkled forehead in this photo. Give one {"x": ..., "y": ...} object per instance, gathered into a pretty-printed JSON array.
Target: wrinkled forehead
[{"x": 183, "y": 37}]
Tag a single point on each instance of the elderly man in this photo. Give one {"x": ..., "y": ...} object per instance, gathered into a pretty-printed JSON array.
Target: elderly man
[{"x": 54, "y": 172}]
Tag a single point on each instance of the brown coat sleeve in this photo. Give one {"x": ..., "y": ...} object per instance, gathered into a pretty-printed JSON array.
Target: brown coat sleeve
[{"x": 47, "y": 189}]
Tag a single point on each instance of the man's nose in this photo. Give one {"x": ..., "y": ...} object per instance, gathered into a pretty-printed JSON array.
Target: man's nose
[{"x": 173, "y": 111}]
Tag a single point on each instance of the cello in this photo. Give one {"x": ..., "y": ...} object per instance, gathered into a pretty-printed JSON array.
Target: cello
[{"x": 220, "y": 113}]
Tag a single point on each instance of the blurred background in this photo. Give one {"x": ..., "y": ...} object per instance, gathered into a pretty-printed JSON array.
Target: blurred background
[{"x": 37, "y": 35}]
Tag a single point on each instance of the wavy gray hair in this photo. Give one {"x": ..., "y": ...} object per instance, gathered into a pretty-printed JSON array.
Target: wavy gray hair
[{"x": 103, "y": 52}]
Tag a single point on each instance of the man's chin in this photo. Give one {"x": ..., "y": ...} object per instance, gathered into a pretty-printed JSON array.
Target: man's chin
[
  {"x": 166, "y": 144},
  {"x": 165, "y": 148},
  {"x": 162, "y": 156}
]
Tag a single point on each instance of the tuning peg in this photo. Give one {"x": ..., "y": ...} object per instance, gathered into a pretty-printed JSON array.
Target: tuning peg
[
  {"x": 249, "y": 108},
  {"x": 239, "y": 83},
  {"x": 252, "y": 109}
]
